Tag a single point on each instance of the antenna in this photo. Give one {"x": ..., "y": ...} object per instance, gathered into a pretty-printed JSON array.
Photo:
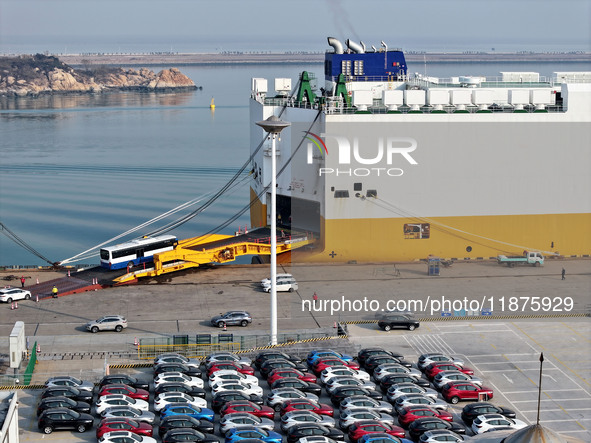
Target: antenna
[{"x": 540, "y": 387}]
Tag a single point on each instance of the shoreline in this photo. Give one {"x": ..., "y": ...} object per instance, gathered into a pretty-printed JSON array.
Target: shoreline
[{"x": 180, "y": 59}]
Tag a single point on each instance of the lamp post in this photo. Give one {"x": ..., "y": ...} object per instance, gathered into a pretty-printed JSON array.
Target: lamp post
[{"x": 273, "y": 126}]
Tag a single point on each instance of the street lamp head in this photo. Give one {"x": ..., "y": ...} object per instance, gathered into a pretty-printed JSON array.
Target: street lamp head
[{"x": 273, "y": 125}]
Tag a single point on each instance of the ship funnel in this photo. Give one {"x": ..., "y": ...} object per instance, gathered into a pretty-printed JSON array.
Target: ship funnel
[
  {"x": 336, "y": 44},
  {"x": 355, "y": 47}
]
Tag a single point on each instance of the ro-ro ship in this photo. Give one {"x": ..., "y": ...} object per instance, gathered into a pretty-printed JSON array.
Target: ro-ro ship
[{"x": 379, "y": 165}]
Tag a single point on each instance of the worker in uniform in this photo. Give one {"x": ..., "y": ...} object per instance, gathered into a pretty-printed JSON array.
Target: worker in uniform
[
  {"x": 54, "y": 291},
  {"x": 22, "y": 281}
]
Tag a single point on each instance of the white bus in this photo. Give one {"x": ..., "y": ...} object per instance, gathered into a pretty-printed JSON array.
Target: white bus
[{"x": 134, "y": 252}]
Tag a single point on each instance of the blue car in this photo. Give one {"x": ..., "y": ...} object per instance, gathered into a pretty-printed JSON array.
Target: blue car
[
  {"x": 315, "y": 355},
  {"x": 186, "y": 409},
  {"x": 238, "y": 434},
  {"x": 379, "y": 437}
]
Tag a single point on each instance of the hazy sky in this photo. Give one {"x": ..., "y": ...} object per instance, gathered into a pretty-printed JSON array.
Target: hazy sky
[{"x": 218, "y": 25}]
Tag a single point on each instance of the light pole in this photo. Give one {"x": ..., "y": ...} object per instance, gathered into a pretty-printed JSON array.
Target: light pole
[{"x": 273, "y": 126}]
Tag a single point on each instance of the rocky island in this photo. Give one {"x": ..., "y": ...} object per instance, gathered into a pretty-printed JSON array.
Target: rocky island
[{"x": 40, "y": 74}]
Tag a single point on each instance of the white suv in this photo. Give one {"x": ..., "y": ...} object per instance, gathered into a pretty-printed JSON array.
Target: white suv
[
  {"x": 283, "y": 284},
  {"x": 107, "y": 323},
  {"x": 267, "y": 281}
]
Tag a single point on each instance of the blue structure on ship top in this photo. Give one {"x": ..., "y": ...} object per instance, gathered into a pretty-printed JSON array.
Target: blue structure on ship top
[{"x": 358, "y": 64}]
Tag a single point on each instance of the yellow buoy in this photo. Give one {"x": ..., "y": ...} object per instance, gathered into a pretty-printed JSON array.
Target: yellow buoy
[{"x": 212, "y": 105}]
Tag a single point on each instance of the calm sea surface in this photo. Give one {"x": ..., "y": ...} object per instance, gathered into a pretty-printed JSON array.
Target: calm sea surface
[{"x": 78, "y": 170}]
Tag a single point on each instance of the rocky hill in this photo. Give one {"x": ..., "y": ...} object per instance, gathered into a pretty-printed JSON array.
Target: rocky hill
[{"x": 40, "y": 74}]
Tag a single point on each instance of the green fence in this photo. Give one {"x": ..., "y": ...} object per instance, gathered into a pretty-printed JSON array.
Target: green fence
[{"x": 30, "y": 367}]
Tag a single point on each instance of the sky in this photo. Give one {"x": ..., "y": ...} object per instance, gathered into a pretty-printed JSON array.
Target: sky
[{"x": 292, "y": 25}]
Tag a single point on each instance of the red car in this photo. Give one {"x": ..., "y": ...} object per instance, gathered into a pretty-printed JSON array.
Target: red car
[
  {"x": 410, "y": 413},
  {"x": 459, "y": 390},
  {"x": 323, "y": 363},
  {"x": 362, "y": 427},
  {"x": 306, "y": 405},
  {"x": 124, "y": 424},
  {"x": 248, "y": 407},
  {"x": 243, "y": 369},
  {"x": 276, "y": 374},
  {"x": 434, "y": 368},
  {"x": 136, "y": 393}
]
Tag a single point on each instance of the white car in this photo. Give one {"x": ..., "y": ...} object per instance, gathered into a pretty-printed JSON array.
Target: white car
[
  {"x": 283, "y": 285},
  {"x": 178, "y": 377},
  {"x": 336, "y": 371},
  {"x": 337, "y": 382},
  {"x": 167, "y": 398},
  {"x": 228, "y": 374},
  {"x": 399, "y": 389},
  {"x": 487, "y": 422},
  {"x": 267, "y": 281},
  {"x": 362, "y": 401},
  {"x": 232, "y": 385},
  {"x": 242, "y": 419},
  {"x": 129, "y": 412},
  {"x": 439, "y": 435},
  {"x": 227, "y": 356},
  {"x": 394, "y": 368},
  {"x": 125, "y": 437},
  {"x": 110, "y": 400},
  {"x": 277, "y": 397},
  {"x": 419, "y": 399},
  {"x": 9, "y": 295},
  {"x": 298, "y": 417},
  {"x": 444, "y": 377},
  {"x": 347, "y": 418}
]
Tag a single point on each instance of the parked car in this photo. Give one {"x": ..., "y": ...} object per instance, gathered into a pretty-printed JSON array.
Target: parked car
[
  {"x": 295, "y": 383},
  {"x": 418, "y": 400},
  {"x": 339, "y": 394},
  {"x": 231, "y": 385},
  {"x": 444, "y": 377},
  {"x": 280, "y": 363},
  {"x": 487, "y": 422},
  {"x": 408, "y": 414},
  {"x": 301, "y": 430},
  {"x": 278, "y": 396},
  {"x": 306, "y": 405},
  {"x": 67, "y": 380},
  {"x": 336, "y": 382},
  {"x": 124, "y": 379},
  {"x": 129, "y": 412},
  {"x": 360, "y": 428},
  {"x": 179, "y": 387},
  {"x": 67, "y": 391},
  {"x": 398, "y": 389},
  {"x": 178, "y": 377},
  {"x": 323, "y": 363},
  {"x": 227, "y": 356},
  {"x": 455, "y": 391},
  {"x": 221, "y": 398},
  {"x": 273, "y": 354},
  {"x": 365, "y": 402},
  {"x": 232, "y": 318},
  {"x": 394, "y": 379},
  {"x": 394, "y": 321},
  {"x": 340, "y": 371},
  {"x": 323, "y": 353},
  {"x": 348, "y": 417},
  {"x": 247, "y": 406},
  {"x": 297, "y": 417},
  {"x": 440, "y": 435},
  {"x": 166, "y": 398},
  {"x": 9, "y": 295},
  {"x": 473, "y": 410},
  {"x": 434, "y": 368},
  {"x": 365, "y": 353},
  {"x": 228, "y": 374},
  {"x": 221, "y": 366},
  {"x": 378, "y": 437},
  {"x": 62, "y": 402},
  {"x": 377, "y": 360},
  {"x": 62, "y": 419},
  {"x": 185, "y": 422},
  {"x": 107, "y": 401},
  {"x": 244, "y": 419},
  {"x": 280, "y": 373},
  {"x": 188, "y": 435},
  {"x": 236, "y": 435},
  {"x": 424, "y": 424},
  {"x": 125, "y": 437},
  {"x": 115, "y": 323},
  {"x": 436, "y": 357},
  {"x": 121, "y": 423},
  {"x": 176, "y": 409},
  {"x": 288, "y": 284},
  {"x": 267, "y": 281},
  {"x": 395, "y": 368},
  {"x": 192, "y": 371},
  {"x": 125, "y": 390},
  {"x": 173, "y": 357}
]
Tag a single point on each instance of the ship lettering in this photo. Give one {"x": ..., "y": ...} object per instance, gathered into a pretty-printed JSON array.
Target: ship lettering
[{"x": 361, "y": 172}]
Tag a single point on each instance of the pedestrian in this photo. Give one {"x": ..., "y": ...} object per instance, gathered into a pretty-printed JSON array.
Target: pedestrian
[
  {"x": 54, "y": 291},
  {"x": 22, "y": 281},
  {"x": 563, "y": 273},
  {"x": 315, "y": 297}
]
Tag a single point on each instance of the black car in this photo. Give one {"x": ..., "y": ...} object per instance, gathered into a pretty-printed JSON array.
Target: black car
[
  {"x": 392, "y": 321},
  {"x": 184, "y": 422},
  {"x": 342, "y": 392},
  {"x": 62, "y": 402},
  {"x": 473, "y": 410},
  {"x": 64, "y": 418},
  {"x": 295, "y": 432},
  {"x": 424, "y": 424},
  {"x": 188, "y": 435},
  {"x": 280, "y": 363},
  {"x": 291, "y": 382},
  {"x": 177, "y": 367},
  {"x": 273, "y": 355},
  {"x": 67, "y": 391},
  {"x": 376, "y": 360},
  {"x": 124, "y": 379},
  {"x": 221, "y": 398},
  {"x": 365, "y": 353},
  {"x": 394, "y": 379},
  {"x": 179, "y": 387}
]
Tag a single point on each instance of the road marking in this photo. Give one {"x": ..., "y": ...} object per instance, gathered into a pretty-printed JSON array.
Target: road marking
[{"x": 510, "y": 381}]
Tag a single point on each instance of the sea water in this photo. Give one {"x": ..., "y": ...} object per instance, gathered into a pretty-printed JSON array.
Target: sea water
[{"x": 78, "y": 170}]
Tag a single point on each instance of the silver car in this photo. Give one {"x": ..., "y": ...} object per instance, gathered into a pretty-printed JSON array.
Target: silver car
[
  {"x": 173, "y": 357},
  {"x": 66, "y": 380},
  {"x": 365, "y": 402},
  {"x": 436, "y": 357},
  {"x": 107, "y": 323},
  {"x": 347, "y": 418},
  {"x": 400, "y": 389},
  {"x": 298, "y": 417},
  {"x": 337, "y": 382},
  {"x": 394, "y": 368},
  {"x": 227, "y": 356},
  {"x": 444, "y": 377},
  {"x": 178, "y": 377},
  {"x": 419, "y": 399},
  {"x": 242, "y": 419},
  {"x": 277, "y": 397},
  {"x": 129, "y": 412}
]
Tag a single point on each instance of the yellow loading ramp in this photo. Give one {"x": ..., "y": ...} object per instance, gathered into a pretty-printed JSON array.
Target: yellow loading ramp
[{"x": 197, "y": 251}]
